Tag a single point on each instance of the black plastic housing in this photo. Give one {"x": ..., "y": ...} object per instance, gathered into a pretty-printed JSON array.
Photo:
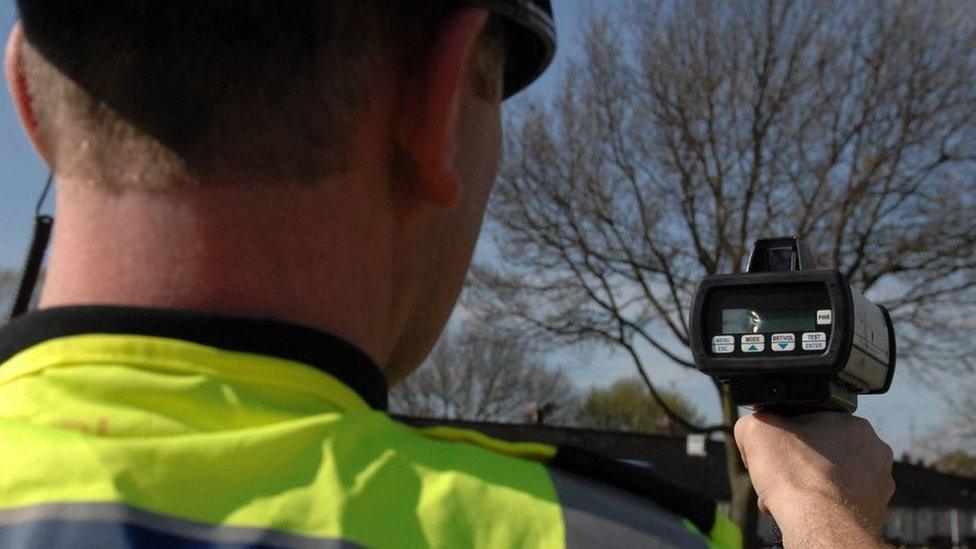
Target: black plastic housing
[
  {"x": 825, "y": 364},
  {"x": 827, "y": 343}
]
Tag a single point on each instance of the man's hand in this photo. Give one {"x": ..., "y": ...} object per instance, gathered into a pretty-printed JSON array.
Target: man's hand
[{"x": 824, "y": 477}]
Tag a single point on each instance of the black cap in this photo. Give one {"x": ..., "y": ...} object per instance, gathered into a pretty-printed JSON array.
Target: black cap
[{"x": 531, "y": 33}]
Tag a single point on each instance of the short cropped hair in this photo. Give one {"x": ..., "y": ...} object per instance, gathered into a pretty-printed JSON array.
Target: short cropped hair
[{"x": 147, "y": 93}]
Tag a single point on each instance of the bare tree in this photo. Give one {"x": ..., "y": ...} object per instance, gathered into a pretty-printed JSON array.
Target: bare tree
[
  {"x": 482, "y": 374},
  {"x": 961, "y": 431},
  {"x": 958, "y": 433},
  {"x": 688, "y": 129},
  {"x": 9, "y": 281},
  {"x": 951, "y": 446}
]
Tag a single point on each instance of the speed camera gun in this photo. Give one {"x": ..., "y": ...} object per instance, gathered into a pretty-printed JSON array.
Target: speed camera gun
[{"x": 789, "y": 338}]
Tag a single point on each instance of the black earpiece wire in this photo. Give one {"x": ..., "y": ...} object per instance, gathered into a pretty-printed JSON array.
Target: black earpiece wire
[{"x": 35, "y": 256}]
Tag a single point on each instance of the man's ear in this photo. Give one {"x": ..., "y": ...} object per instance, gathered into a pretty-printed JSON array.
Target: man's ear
[
  {"x": 427, "y": 123},
  {"x": 19, "y": 91}
]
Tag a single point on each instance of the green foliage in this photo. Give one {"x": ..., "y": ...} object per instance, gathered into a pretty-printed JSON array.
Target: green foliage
[
  {"x": 628, "y": 406},
  {"x": 957, "y": 462}
]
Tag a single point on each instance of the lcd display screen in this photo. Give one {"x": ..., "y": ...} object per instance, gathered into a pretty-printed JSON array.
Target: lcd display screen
[{"x": 757, "y": 321}]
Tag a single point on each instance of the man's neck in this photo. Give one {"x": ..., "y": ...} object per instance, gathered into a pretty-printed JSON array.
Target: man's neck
[{"x": 242, "y": 250}]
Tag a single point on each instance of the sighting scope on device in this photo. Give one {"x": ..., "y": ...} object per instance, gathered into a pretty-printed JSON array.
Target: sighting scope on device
[{"x": 789, "y": 338}]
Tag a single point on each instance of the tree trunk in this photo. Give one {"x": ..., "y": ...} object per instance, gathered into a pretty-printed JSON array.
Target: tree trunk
[{"x": 743, "y": 509}]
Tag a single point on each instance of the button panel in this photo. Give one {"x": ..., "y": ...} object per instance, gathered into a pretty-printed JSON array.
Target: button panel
[{"x": 782, "y": 344}]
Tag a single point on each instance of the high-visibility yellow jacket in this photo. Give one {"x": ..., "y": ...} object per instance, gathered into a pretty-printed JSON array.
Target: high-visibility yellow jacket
[{"x": 127, "y": 427}]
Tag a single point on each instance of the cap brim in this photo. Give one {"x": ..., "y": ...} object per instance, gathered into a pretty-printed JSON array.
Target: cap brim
[{"x": 531, "y": 41}]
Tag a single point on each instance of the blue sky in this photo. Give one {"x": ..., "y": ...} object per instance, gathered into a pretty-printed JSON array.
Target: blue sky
[
  {"x": 22, "y": 172},
  {"x": 907, "y": 412}
]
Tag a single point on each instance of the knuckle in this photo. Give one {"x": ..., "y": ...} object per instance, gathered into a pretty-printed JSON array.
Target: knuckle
[
  {"x": 743, "y": 426},
  {"x": 862, "y": 424},
  {"x": 827, "y": 473},
  {"x": 887, "y": 454},
  {"x": 880, "y": 455}
]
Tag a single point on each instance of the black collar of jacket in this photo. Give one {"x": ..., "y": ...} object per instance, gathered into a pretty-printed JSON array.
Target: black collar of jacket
[
  {"x": 641, "y": 481},
  {"x": 258, "y": 336}
]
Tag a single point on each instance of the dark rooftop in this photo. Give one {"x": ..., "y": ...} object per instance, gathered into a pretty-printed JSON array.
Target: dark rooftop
[{"x": 917, "y": 486}]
